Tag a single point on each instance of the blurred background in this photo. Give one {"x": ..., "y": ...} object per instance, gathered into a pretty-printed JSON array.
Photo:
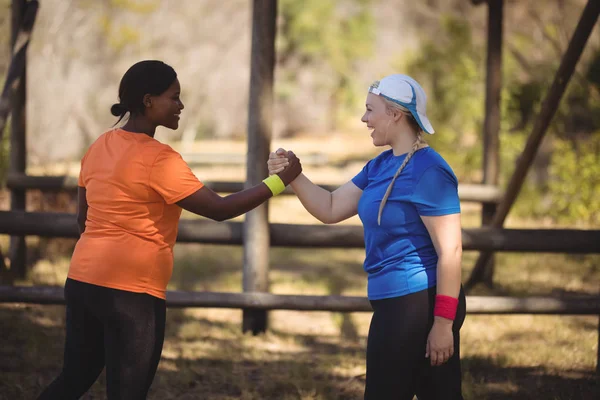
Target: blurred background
[{"x": 328, "y": 53}]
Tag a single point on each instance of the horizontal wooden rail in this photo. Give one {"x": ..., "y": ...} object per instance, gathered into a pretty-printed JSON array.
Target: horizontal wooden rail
[
  {"x": 267, "y": 301},
  {"x": 325, "y": 236},
  {"x": 17, "y": 181}
]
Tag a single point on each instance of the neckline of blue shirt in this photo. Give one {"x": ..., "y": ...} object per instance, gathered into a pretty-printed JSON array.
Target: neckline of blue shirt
[{"x": 402, "y": 156}]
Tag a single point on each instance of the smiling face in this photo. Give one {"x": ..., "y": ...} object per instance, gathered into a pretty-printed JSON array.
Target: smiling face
[
  {"x": 165, "y": 109},
  {"x": 378, "y": 118}
]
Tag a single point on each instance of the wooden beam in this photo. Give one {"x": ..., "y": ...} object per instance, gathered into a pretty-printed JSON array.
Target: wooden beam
[
  {"x": 69, "y": 184},
  {"x": 266, "y": 301},
  {"x": 260, "y": 121},
  {"x": 550, "y": 104},
  {"x": 491, "y": 125},
  {"x": 467, "y": 192},
  {"x": 22, "y": 23},
  {"x": 319, "y": 236},
  {"x": 493, "y": 88},
  {"x": 20, "y": 181},
  {"x": 532, "y": 305},
  {"x": 20, "y": 36}
]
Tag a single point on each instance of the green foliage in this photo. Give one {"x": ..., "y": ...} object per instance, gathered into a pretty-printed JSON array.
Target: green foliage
[
  {"x": 593, "y": 73},
  {"x": 574, "y": 184},
  {"x": 118, "y": 35},
  {"x": 570, "y": 193},
  {"x": 332, "y": 34},
  {"x": 137, "y": 6},
  {"x": 451, "y": 66},
  {"x": 338, "y": 32}
]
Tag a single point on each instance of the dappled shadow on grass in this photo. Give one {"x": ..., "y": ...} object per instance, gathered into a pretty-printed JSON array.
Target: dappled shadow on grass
[
  {"x": 213, "y": 360},
  {"x": 201, "y": 267},
  {"x": 32, "y": 350},
  {"x": 587, "y": 324},
  {"x": 282, "y": 378},
  {"x": 492, "y": 380},
  {"x": 33, "y": 337},
  {"x": 276, "y": 365},
  {"x": 197, "y": 267}
]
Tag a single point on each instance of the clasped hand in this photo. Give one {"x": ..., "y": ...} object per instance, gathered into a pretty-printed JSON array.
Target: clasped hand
[
  {"x": 285, "y": 164},
  {"x": 280, "y": 160}
]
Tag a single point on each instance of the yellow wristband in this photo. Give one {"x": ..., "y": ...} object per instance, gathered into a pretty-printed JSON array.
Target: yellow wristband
[{"x": 275, "y": 184}]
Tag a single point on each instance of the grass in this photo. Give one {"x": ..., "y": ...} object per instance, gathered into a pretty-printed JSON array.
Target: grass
[{"x": 318, "y": 355}]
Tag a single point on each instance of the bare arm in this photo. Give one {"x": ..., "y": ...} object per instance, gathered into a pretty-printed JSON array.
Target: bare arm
[
  {"x": 328, "y": 207},
  {"x": 209, "y": 204},
  {"x": 324, "y": 205},
  {"x": 82, "y": 208},
  {"x": 446, "y": 236}
]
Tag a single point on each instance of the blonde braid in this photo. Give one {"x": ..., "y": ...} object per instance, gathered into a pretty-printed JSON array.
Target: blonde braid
[{"x": 415, "y": 147}]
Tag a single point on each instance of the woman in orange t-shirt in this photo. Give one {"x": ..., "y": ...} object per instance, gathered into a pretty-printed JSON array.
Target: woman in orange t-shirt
[{"x": 131, "y": 192}]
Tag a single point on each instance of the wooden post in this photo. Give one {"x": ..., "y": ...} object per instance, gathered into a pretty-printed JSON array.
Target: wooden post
[
  {"x": 563, "y": 75},
  {"x": 18, "y": 153},
  {"x": 598, "y": 355},
  {"x": 491, "y": 129},
  {"x": 256, "y": 225}
]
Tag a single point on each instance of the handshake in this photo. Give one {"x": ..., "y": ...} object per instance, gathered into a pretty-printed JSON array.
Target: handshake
[{"x": 285, "y": 164}]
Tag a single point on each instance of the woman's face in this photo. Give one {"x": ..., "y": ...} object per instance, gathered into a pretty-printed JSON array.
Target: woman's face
[
  {"x": 377, "y": 119},
  {"x": 165, "y": 108}
]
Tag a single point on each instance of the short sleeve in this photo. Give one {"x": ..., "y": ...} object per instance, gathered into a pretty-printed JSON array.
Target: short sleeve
[
  {"x": 362, "y": 178},
  {"x": 80, "y": 180},
  {"x": 436, "y": 192},
  {"x": 172, "y": 178}
]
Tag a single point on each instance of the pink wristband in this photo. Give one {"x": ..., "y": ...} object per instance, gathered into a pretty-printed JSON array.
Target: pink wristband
[{"x": 445, "y": 306}]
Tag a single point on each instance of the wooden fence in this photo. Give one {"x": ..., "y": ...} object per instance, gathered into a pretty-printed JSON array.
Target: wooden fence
[
  {"x": 257, "y": 234},
  {"x": 322, "y": 236},
  {"x": 20, "y": 181},
  {"x": 268, "y": 301}
]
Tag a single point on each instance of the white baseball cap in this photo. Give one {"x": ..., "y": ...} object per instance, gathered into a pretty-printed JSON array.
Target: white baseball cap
[{"x": 405, "y": 91}]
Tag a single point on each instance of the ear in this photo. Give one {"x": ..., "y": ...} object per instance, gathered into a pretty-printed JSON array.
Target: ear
[
  {"x": 397, "y": 115},
  {"x": 147, "y": 100}
]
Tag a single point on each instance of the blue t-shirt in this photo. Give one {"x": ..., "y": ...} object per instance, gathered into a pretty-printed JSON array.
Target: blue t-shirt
[{"x": 400, "y": 257}]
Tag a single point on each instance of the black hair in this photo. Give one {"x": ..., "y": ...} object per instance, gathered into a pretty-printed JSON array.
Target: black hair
[{"x": 145, "y": 77}]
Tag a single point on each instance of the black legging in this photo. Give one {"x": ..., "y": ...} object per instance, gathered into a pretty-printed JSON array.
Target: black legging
[
  {"x": 396, "y": 365},
  {"x": 122, "y": 330}
]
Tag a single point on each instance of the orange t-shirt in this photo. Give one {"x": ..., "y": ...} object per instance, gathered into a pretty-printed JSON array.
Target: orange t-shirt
[{"x": 132, "y": 182}]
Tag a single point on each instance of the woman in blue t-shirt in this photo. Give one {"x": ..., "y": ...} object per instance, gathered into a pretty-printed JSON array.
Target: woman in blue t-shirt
[{"x": 408, "y": 203}]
